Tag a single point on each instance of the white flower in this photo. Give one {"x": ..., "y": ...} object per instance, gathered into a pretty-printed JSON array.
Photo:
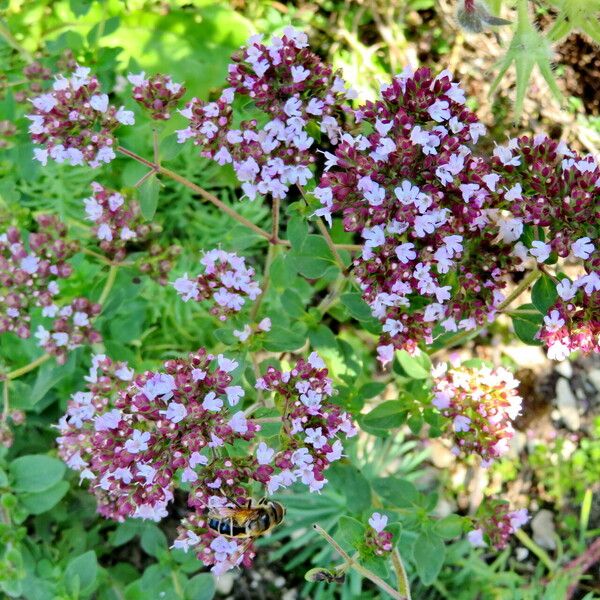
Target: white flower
[
  {"x": 406, "y": 253},
  {"x": 540, "y": 250},
  {"x": 582, "y": 248},
  {"x": 186, "y": 288},
  {"x": 212, "y": 402},
  {"x": 30, "y": 264},
  {"x": 175, "y": 412},
  {"x": 385, "y": 354},
  {"x": 137, "y": 80},
  {"x": 264, "y": 454},
  {"x": 378, "y": 522},
  {"x": 160, "y": 384},
  {"x": 234, "y": 393},
  {"x": 315, "y": 437},
  {"x": 226, "y": 364},
  {"x": 461, "y": 423},
  {"x": 299, "y": 73},
  {"x": 99, "y": 102},
  {"x": 104, "y": 232},
  {"x": 125, "y": 117},
  {"x": 566, "y": 290},
  {"x": 138, "y": 443},
  {"x": 553, "y": 321},
  {"x": 439, "y": 111},
  {"x": 315, "y": 361},
  {"x": 475, "y": 538},
  {"x": 45, "y": 102}
]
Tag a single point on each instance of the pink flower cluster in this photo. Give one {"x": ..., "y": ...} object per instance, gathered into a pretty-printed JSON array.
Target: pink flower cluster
[
  {"x": 226, "y": 282},
  {"x": 75, "y": 123},
  {"x": 29, "y": 272},
  {"x": 480, "y": 405},
  {"x": 419, "y": 198},
  {"x": 312, "y": 424},
  {"x": 299, "y": 93},
  {"x": 72, "y": 328},
  {"x": 137, "y": 438},
  {"x": 497, "y": 525},
  {"x": 158, "y": 94},
  {"x": 121, "y": 229},
  {"x": 377, "y": 539}
]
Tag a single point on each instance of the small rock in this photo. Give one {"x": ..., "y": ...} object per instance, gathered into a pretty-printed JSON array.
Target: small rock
[
  {"x": 567, "y": 404},
  {"x": 279, "y": 582},
  {"x": 526, "y": 356},
  {"x": 564, "y": 368},
  {"x": 224, "y": 583},
  {"x": 441, "y": 456},
  {"x": 594, "y": 376},
  {"x": 544, "y": 533},
  {"x": 522, "y": 553}
]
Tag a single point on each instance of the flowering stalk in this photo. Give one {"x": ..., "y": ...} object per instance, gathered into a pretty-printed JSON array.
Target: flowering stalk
[
  {"x": 108, "y": 285},
  {"x": 34, "y": 364},
  {"x": 358, "y": 567},
  {"x": 203, "y": 193}
]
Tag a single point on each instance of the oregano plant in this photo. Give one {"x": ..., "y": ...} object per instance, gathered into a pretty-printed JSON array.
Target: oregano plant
[{"x": 389, "y": 217}]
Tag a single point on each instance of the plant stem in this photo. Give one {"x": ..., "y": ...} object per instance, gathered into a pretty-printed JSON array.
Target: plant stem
[
  {"x": 523, "y": 23},
  {"x": 5, "y": 405},
  {"x": 333, "y": 295},
  {"x": 265, "y": 282},
  {"x": 203, "y": 193},
  {"x": 358, "y": 567},
  {"x": 325, "y": 233},
  {"x": 110, "y": 280},
  {"x": 95, "y": 255},
  {"x": 527, "y": 281},
  {"x": 11, "y": 41},
  {"x": 29, "y": 367},
  {"x": 275, "y": 227},
  {"x": 402, "y": 579},
  {"x": 539, "y": 552}
]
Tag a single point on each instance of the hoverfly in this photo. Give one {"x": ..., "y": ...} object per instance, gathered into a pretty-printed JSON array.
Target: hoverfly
[{"x": 249, "y": 521}]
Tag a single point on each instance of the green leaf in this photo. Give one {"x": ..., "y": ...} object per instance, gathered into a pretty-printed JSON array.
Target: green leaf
[
  {"x": 313, "y": 258},
  {"x": 353, "y": 484},
  {"x": 527, "y": 321},
  {"x": 544, "y": 294},
  {"x": 428, "y": 554},
  {"x": 40, "y": 502},
  {"x": 449, "y": 527},
  {"x": 36, "y": 472},
  {"x": 148, "y": 194},
  {"x": 416, "y": 367},
  {"x": 200, "y": 587},
  {"x": 397, "y": 492},
  {"x": 388, "y": 415},
  {"x": 125, "y": 532},
  {"x": 351, "y": 531},
  {"x": 81, "y": 572},
  {"x": 356, "y": 306},
  {"x": 153, "y": 541},
  {"x": 281, "y": 339},
  {"x": 297, "y": 231},
  {"x": 292, "y": 303}
]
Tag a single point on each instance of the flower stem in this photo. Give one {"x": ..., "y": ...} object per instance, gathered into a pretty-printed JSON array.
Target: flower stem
[
  {"x": 325, "y": 233},
  {"x": 204, "y": 194},
  {"x": 265, "y": 282},
  {"x": 333, "y": 295},
  {"x": 275, "y": 227},
  {"x": 402, "y": 579},
  {"x": 358, "y": 567},
  {"x": 110, "y": 280},
  {"x": 539, "y": 552},
  {"x": 29, "y": 367}
]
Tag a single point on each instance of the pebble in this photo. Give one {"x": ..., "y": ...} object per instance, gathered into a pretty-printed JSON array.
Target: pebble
[
  {"x": 594, "y": 376},
  {"x": 567, "y": 404},
  {"x": 544, "y": 532},
  {"x": 224, "y": 583},
  {"x": 564, "y": 368}
]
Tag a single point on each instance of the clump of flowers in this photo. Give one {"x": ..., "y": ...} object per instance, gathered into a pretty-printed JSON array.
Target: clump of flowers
[
  {"x": 71, "y": 329},
  {"x": 418, "y": 196},
  {"x": 480, "y": 405},
  {"x": 376, "y": 538},
  {"x": 225, "y": 281},
  {"x": 74, "y": 122},
  {"x": 35, "y": 75},
  {"x": 312, "y": 424},
  {"x": 121, "y": 229},
  {"x": 297, "y": 91},
  {"x": 29, "y": 272},
  {"x": 158, "y": 94},
  {"x": 138, "y": 437},
  {"x": 496, "y": 524}
]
